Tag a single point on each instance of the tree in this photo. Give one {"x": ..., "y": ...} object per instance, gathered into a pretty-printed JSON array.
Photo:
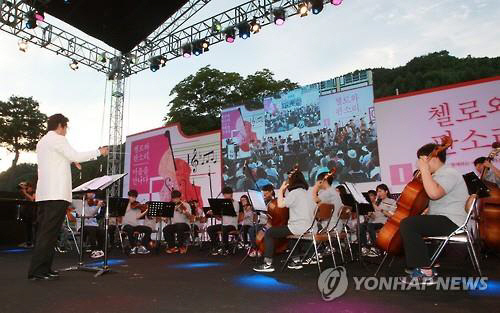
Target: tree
[
  {"x": 199, "y": 98},
  {"x": 21, "y": 125}
]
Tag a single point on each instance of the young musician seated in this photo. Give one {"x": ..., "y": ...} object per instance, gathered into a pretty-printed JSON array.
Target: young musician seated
[
  {"x": 28, "y": 214},
  {"x": 268, "y": 194},
  {"x": 301, "y": 215},
  {"x": 91, "y": 230},
  {"x": 179, "y": 225},
  {"x": 324, "y": 192},
  {"x": 131, "y": 225},
  {"x": 384, "y": 207},
  {"x": 230, "y": 223},
  {"x": 492, "y": 174},
  {"x": 448, "y": 193},
  {"x": 247, "y": 218}
]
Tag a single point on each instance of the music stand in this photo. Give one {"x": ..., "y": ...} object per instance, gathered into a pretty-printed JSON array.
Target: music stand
[
  {"x": 117, "y": 206},
  {"x": 160, "y": 209},
  {"x": 475, "y": 185},
  {"x": 360, "y": 205},
  {"x": 222, "y": 207},
  {"x": 95, "y": 185}
]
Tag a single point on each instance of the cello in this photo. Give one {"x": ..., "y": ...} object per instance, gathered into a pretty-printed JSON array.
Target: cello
[
  {"x": 489, "y": 209},
  {"x": 412, "y": 201},
  {"x": 278, "y": 217}
]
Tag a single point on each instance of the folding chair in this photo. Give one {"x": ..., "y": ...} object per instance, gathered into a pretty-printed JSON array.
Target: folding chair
[
  {"x": 322, "y": 212},
  {"x": 460, "y": 235}
]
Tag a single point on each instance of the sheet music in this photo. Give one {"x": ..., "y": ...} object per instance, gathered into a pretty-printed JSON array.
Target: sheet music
[
  {"x": 358, "y": 196},
  {"x": 100, "y": 183},
  {"x": 257, "y": 199}
]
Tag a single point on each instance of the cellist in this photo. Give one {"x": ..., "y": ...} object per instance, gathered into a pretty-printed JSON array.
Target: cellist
[
  {"x": 447, "y": 194},
  {"x": 301, "y": 214},
  {"x": 492, "y": 175}
]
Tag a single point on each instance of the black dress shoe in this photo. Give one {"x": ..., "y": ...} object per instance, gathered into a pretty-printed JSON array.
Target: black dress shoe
[
  {"x": 41, "y": 277},
  {"x": 53, "y": 273}
]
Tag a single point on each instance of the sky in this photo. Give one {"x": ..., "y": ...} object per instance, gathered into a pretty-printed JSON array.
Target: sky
[{"x": 358, "y": 34}]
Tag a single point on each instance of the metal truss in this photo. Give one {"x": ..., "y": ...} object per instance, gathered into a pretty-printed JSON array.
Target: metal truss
[
  {"x": 169, "y": 46},
  {"x": 50, "y": 37}
]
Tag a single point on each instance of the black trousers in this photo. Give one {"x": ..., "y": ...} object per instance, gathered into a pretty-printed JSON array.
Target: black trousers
[
  {"x": 371, "y": 228},
  {"x": 129, "y": 229},
  {"x": 180, "y": 229},
  {"x": 50, "y": 218},
  {"x": 214, "y": 239},
  {"x": 412, "y": 230},
  {"x": 272, "y": 234},
  {"x": 96, "y": 235}
]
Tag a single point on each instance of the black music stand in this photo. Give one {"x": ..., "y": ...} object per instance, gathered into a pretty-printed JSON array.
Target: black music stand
[
  {"x": 95, "y": 185},
  {"x": 360, "y": 206},
  {"x": 117, "y": 206},
  {"x": 222, "y": 207},
  {"x": 161, "y": 210}
]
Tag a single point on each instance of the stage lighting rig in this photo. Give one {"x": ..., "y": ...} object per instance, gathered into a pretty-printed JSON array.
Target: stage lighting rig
[
  {"x": 216, "y": 26},
  {"x": 303, "y": 9},
  {"x": 244, "y": 30},
  {"x": 230, "y": 34},
  {"x": 205, "y": 44},
  {"x": 30, "y": 20},
  {"x": 279, "y": 16},
  {"x": 73, "y": 65},
  {"x": 197, "y": 47}
]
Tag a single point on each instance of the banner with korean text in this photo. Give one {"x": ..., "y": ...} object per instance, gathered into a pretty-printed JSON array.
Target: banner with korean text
[
  {"x": 161, "y": 160},
  {"x": 468, "y": 112}
]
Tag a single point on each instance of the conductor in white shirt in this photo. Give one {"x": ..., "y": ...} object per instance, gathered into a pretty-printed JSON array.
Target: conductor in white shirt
[{"x": 53, "y": 194}]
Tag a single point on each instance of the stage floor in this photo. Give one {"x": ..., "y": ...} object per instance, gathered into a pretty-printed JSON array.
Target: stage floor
[{"x": 197, "y": 282}]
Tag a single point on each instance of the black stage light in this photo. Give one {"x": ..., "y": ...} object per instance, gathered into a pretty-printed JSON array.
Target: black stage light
[
  {"x": 244, "y": 30},
  {"x": 230, "y": 34}
]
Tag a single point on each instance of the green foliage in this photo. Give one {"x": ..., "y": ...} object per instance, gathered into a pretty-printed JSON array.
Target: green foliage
[
  {"x": 432, "y": 70},
  {"x": 14, "y": 175},
  {"x": 21, "y": 125},
  {"x": 199, "y": 98}
]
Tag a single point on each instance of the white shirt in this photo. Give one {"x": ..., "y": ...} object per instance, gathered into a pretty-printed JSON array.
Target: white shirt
[
  {"x": 54, "y": 157},
  {"x": 301, "y": 210}
]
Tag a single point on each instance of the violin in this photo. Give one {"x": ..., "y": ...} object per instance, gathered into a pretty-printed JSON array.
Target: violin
[
  {"x": 93, "y": 202},
  {"x": 137, "y": 205},
  {"x": 412, "y": 201},
  {"x": 181, "y": 208}
]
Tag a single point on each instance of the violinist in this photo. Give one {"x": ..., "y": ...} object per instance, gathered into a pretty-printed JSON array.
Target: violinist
[
  {"x": 492, "y": 175},
  {"x": 448, "y": 193},
  {"x": 91, "y": 230},
  {"x": 268, "y": 194},
  {"x": 135, "y": 211},
  {"x": 384, "y": 207},
  {"x": 28, "y": 214},
  {"x": 324, "y": 192},
  {"x": 180, "y": 225},
  {"x": 301, "y": 215},
  {"x": 229, "y": 223}
]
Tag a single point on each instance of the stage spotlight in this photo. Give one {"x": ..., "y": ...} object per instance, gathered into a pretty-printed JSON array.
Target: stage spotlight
[
  {"x": 102, "y": 57},
  {"x": 244, "y": 30},
  {"x": 303, "y": 9},
  {"x": 23, "y": 45},
  {"x": 154, "y": 64},
  {"x": 254, "y": 26},
  {"x": 216, "y": 26},
  {"x": 30, "y": 20},
  {"x": 205, "y": 44},
  {"x": 279, "y": 16},
  {"x": 230, "y": 34},
  {"x": 73, "y": 65},
  {"x": 163, "y": 60},
  {"x": 336, "y": 2},
  {"x": 317, "y": 6},
  {"x": 186, "y": 50},
  {"x": 197, "y": 47}
]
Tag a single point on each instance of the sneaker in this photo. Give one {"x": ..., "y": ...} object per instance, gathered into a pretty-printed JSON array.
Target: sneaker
[
  {"x": 172, "y": 250},
  {"x": 365, "y": 251},
  {"x": 295, "y": 265},
  {"x": 142, "y": 250},
  {"x": 418, "y": 277},
  {"x": 216, "y": 252},
  {"x": 133, "y": 250},
  {"x": 409, "y": 271},
  {"x": 264, "y": 268},
  {"x": 97, "y": 254},
  {"x": 312, "y": 260}
]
